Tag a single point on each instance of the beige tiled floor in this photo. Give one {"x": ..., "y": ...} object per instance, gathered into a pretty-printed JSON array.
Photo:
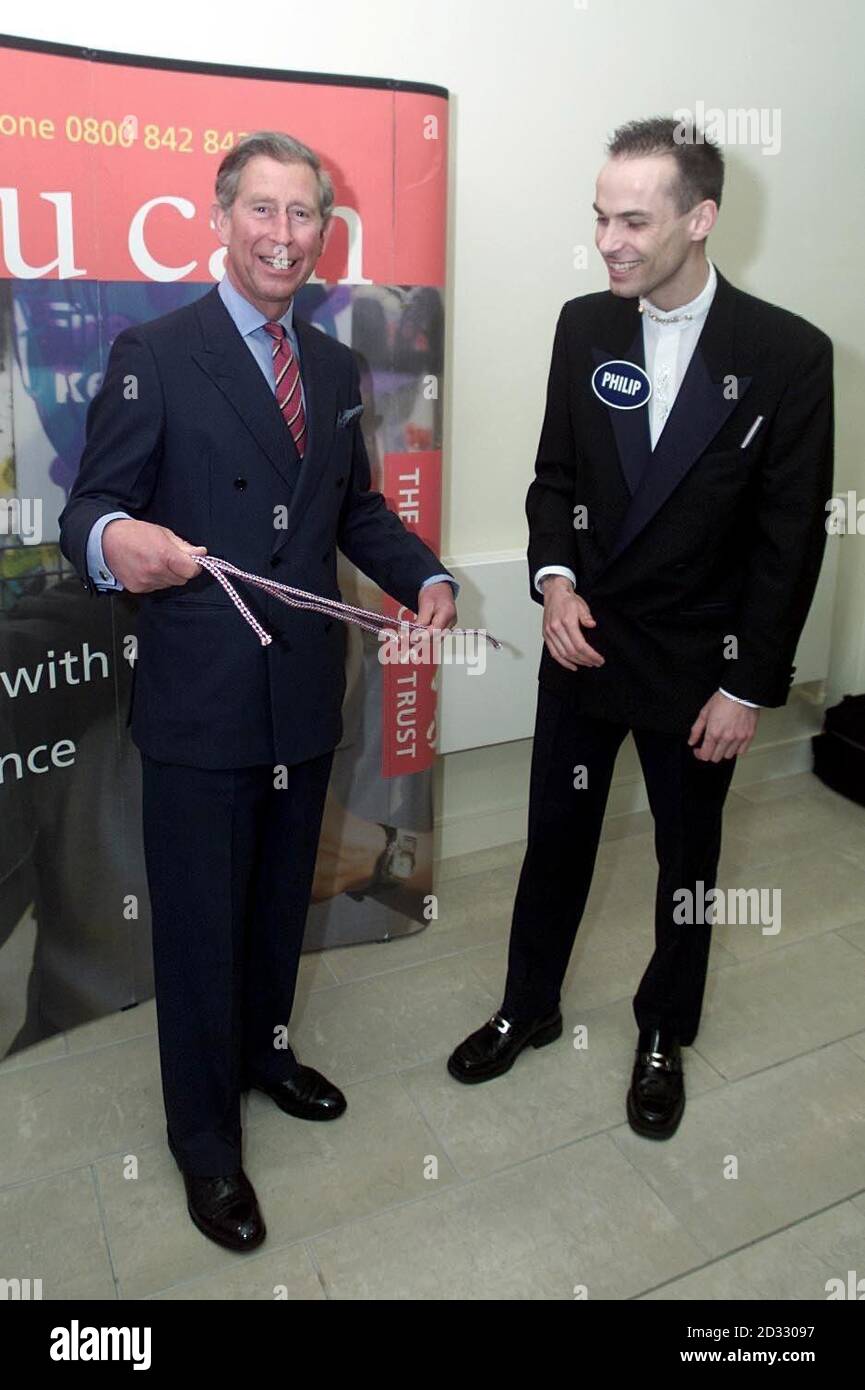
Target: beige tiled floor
[{"x": 532, "y": 1185}]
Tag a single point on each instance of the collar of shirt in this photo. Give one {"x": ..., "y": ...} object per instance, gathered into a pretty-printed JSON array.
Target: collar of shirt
[
  {"x": 247, "y": 319},
  {"x": 697, "y": 309}
]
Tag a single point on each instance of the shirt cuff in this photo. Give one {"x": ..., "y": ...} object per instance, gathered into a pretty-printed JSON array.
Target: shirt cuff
[
  {"x": 97, "y": 568},
  {"x": 738, "y": 699},
  {"x": 554, "y": 569},
  {"x": 437, "y": 579}
]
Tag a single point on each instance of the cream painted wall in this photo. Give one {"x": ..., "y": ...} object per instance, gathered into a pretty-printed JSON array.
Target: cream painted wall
[{"x": 535, "y": 90}]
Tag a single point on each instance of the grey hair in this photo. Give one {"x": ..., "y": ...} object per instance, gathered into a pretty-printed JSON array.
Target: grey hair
[{"x": 276, "y": 145}]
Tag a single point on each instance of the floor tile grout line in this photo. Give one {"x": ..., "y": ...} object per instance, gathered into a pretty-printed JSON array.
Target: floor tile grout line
[
  {"x": 319, "y": 1274},
  {"x": 429, "y": 960},
  {"x": 250, "y": 1259},
  {"x": 429, "y": 1126},
  {"x": 461, "y": 1185},
  {"x": 327, "y": 966},
  {"x": 437, "y": 1057},
  {"x": 310, "y": 1238},
  {"x": 100, "y": 1207},
  {"x": 69, "y": 1055},
  {"x": 751, "y": 1244},
  {"x": 616, "y": 1125},
  {"x": 410, "y": 965},
  {"x": 725, "y": 1081},
  {"x": 677, "y": 1220},
  {"x": 73, "y": 1168},
  {"x": 815, "y": 847},
  {"x": 770, "y": 952},
  {"x": 465, "y": 1182},
  {"x": 160, "y": 1142},
  {"x": 28, "y": 1066},
  {"x": 839, "y": 931},
  {"x": 398, "y": 969},
  {"x": 783, "y": 1061}
]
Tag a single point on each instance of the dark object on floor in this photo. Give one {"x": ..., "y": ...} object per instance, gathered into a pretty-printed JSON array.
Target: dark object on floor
[{"x": 839, "y": 751}]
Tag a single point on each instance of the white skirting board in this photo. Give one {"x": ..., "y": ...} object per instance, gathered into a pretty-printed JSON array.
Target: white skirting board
[
  {"x": 498, "y": 705},
  {"x": 482, "y": 796}
]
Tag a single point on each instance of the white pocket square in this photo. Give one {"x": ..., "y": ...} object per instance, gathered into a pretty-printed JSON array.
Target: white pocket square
[
  {"x": 752, "y": 431},
  {"x": 345, "y": 417}
]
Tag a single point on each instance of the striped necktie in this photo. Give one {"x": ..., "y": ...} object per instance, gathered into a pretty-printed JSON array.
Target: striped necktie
[{"x": 288, "y": 392}]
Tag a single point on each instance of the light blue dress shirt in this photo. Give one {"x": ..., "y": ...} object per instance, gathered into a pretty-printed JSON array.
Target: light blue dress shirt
[{"x": 249, "y": 322}]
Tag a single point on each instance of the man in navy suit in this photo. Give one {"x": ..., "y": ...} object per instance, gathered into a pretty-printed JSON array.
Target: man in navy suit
[
  {"x": 229, "y": 427},
  {"x": 676, "y": 531}
]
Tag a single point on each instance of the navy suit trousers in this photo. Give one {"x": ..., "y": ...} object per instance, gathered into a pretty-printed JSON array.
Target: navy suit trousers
[{"x": 230, "y": 859}]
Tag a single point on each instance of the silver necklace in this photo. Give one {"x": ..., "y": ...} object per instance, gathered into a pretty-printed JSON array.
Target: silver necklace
[{"x": 675, "y": 318}]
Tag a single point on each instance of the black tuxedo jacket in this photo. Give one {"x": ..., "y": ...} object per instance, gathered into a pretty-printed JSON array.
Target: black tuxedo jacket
[
  {"x": 185, "y": 432},
  {"x": 701, "y": 540}
]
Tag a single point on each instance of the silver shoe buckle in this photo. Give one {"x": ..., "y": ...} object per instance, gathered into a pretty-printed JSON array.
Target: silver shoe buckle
[{"x": 659, "y": 1061}]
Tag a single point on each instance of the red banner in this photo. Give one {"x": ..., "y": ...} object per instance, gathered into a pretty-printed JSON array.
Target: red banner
[
  {"x": 115, "y": 168},
  {"x": 409, "y": 732}
]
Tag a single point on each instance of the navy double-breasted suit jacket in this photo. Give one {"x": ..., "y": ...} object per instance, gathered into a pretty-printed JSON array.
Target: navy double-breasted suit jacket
[{"x": 186, "y": 433}]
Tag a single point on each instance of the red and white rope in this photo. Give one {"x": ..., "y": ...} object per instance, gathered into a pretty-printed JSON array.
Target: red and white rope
[{"x": 299, "y": 598}]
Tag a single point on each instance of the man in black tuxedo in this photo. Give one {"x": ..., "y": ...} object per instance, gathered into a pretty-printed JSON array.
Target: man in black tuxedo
[
  {"x": 676, "y": 534},
  {"x": 232, "y": 428}
]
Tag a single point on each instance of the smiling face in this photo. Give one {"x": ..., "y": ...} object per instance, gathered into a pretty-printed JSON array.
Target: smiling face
[
  {"x": 650, "y": 248},
  {"x": 273, "y": 232}
]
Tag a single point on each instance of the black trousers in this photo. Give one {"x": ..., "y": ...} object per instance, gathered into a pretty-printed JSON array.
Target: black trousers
[
  {"x": 686, "y": 797},
  {"x": 230, "y": 860}
]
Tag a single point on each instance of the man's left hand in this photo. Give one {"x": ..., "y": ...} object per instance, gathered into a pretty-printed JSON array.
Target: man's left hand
[
  {"x": 725, "y": 727},
  {"x": 436, "y": 607}
]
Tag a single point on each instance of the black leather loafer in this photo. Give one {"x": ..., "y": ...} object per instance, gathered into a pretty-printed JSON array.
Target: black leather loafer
[
  {"x": 656, "y": 1099},
  {"x": 306, "y": 1094},
  {"x": 494, "y": 1048},
  {"x": 226, "y": 1210}
]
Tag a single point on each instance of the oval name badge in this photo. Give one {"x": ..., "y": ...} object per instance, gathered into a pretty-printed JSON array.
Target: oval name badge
[{"x": 623, "y": 385}]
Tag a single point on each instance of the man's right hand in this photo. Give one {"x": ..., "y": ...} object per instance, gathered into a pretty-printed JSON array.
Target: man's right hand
[
  {"x": 145, "y": 557},
  {"x": 565, "y": 615}
]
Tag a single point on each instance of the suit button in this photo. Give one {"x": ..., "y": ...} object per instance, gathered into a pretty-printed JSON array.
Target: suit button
[
  {"x": 325, "y": 557},
  {"x": 274, "y": 561},
  {"x": 328, "y": 625},
  {"x": 240, "y": 484},
  {"x": 340, "y": 481}
]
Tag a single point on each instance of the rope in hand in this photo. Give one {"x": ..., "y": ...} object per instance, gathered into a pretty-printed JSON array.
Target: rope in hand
[{"x": 299, "y": 598}]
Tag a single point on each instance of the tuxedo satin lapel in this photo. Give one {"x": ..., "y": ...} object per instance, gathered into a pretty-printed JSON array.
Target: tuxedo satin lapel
[
  {"x": 630, "y": 427},
  {"x": 703, "y": 403},
  {"x": 231, "y": 366},
  {"x": 319, "y": 391}
]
